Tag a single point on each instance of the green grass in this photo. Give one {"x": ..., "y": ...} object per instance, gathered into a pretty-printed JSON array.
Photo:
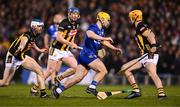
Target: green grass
[{"x": 18, "y": 95}]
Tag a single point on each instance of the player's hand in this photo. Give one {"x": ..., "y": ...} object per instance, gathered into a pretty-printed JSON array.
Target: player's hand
[
  {"x": 43, "y": 50},
  {"x": 109, "y": 39},
  {"x": 118, "y": 51},
  {"x": 73, "y": 46},
  {"x": 153, "y": 49},
  {"x": 151, "y": 52},
  {"x": 31, "y": 45}
]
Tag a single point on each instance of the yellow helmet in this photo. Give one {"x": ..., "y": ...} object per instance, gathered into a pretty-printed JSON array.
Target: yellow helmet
[
  {"x": 135, "y": 15},
  {"x": 104, "y": 15}
]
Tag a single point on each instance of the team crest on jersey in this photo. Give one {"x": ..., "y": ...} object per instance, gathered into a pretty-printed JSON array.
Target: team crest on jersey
[{"x": 73, "y": 32}]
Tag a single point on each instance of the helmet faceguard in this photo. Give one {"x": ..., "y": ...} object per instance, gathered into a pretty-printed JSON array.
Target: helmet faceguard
[
  {"x": 37, "y": 26},
  {"x": 73, "y": 14}
]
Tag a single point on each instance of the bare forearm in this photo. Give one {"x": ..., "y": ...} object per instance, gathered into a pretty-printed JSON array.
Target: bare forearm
[
  {"x": 150, "y": 36},
  {"x": 151, "y": 39},
  {"x": 61, "y": 39},
  {"x": 46, "y": 41},
  {"x": 36, "y": 47},
  {"x": 108, "y": 44}
]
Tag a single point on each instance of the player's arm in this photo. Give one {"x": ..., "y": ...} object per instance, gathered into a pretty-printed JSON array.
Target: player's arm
[
  {"x": 43, "y": 50},
  {"x": 62, "y": 40},
  {"x": 109, "y": 45},
  {"x": 46, "y": 41},
  {"x": 62, "y": 27},
  {"x": 151, "y": 38},
  {"x": 94, "y": 36},
  {"x": 22, "y": 45}
]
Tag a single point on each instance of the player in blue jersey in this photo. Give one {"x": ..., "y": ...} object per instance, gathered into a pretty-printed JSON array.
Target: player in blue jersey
[{"x": 88, "y": 58}]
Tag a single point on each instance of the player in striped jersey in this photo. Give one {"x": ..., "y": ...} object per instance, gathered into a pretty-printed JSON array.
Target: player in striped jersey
[
  {"x": 146, "y": 42},
  {"x": 17, "y": 55},
  {"x": 60, "y": 47}
]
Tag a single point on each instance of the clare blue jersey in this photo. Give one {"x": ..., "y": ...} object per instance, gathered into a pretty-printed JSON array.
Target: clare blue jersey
[
  {"x": 52, "y": 31},
  {"x": 91, "y": 44}
]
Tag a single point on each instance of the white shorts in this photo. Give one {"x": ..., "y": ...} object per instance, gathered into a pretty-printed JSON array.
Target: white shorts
[
  {"x": 56, "y": 54},
  {"x": 145, "y": 59},
  {"x": 11, "y": 61}
]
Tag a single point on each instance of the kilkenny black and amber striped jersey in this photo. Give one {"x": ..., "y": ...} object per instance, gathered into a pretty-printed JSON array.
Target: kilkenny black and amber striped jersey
[
  {"x": 142, "y": 42},
  {"x": 20, "y": 55},
  {"x": 69, "y": 33}
]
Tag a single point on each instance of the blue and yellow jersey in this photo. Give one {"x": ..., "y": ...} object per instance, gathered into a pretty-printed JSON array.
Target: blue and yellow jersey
[
  {"x": 69, "y": 33},
  {"x": 20, "y": 55},
  {"x": 91, "y": 44},
  {"x": 142, "y": 42}
]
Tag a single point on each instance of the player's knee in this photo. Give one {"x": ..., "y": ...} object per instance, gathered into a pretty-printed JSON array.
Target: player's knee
[
  {"x": 51, "y": 69},
  {"x": 152, "y": 74},
  {"x": 78, "y": 79},
  {"x": 104, "y": 72},
  {"x": 74, "y": 69},
  {"x": 127, "y": 73}
]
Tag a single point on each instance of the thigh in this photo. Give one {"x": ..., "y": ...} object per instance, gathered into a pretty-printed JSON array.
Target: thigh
[
  {"x": 97, "y": 65},
  {"x": 58, "y": 66},
  {"x": 132, "y": 65},
  {"x": 81, "y": 71},
  {"x": 31, "y": 64},
  {"x": 53, "y": 64},
  {"x": 70, "y": 61},
  {"x": 151, "y": 67}
]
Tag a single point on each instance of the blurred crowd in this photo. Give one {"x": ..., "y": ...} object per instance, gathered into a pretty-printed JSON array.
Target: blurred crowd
[{"x": 163, "y": 16}]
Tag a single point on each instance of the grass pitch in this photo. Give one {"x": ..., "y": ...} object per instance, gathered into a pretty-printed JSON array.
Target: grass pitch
[{"x": 18, "y": 95}]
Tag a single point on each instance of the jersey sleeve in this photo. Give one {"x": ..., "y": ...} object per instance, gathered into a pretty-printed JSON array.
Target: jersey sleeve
[
  {"x": 62, "y": 26},
  {"x": 27, "y": 35},
  {"x": 92, "y": 28},
  {"x": 142, "y": 27}
]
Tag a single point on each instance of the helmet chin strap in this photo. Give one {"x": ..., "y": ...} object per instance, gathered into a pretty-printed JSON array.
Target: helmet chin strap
[{"x": 101, "y": 23}]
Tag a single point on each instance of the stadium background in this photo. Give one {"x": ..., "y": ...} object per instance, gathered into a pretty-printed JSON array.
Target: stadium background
[{"x": 163, "y": 16}]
